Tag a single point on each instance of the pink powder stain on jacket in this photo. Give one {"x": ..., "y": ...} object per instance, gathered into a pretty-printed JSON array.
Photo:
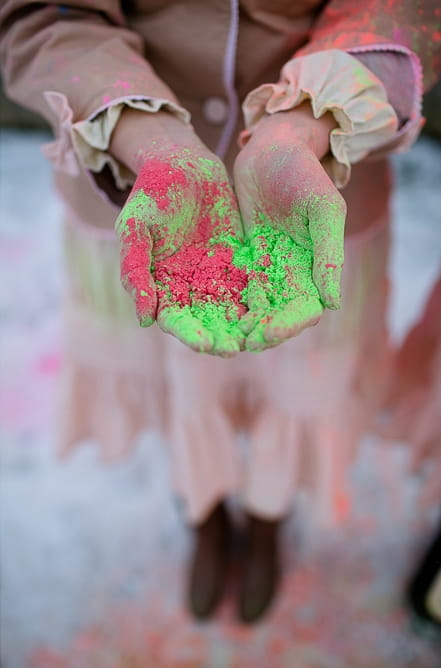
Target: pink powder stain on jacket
[
  {"x": 397, "y": 34},
  {"x": 119, "y": 83},
  {"x": 135, "y": 267}
]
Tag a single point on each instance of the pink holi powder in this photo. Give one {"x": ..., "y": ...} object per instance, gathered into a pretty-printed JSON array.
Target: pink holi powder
[
  {"x": 193, "y": 274},
  {"x": 211, "y": 225},
  {"x": 198, "y": 273},
  {"x": 158, "y": 176},
  {"x": 136, "y": 264}
]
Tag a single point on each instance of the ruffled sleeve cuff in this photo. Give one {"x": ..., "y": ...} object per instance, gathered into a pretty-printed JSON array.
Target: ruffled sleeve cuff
[
  {"x": 86, "y": 143},
  {"x": 335, "y": 82}
]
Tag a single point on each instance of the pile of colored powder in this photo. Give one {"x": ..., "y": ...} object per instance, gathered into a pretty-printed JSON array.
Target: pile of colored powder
[
  {"x": 281, "y": 267},
  {"x": 212, "y": 283},
  {"x": 205, "y": 282}
]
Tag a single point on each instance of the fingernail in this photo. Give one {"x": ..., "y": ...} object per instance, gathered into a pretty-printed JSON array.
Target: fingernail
[{"x": 146, "y": 320}]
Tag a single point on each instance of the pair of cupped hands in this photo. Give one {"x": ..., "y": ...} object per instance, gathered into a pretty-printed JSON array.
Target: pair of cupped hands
[
  {"x": 183, "y": 195},
  {"x": 412, "y": 403}
]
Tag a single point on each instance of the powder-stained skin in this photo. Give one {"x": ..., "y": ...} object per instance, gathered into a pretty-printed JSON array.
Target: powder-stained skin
[
  {"x": 284, "y": 185},
  {"x": 282, "y": 297},
  {"x": 181, "y": 203},
  {"x": 186, "y": 264}
]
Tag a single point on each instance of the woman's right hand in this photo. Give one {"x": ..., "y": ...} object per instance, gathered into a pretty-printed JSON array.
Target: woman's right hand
[
  {"x": 281, "y": 183},
  {"x": 181, "y": 198}
]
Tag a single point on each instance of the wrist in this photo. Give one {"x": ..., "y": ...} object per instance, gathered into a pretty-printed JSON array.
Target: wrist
[
  {"x": 299, "y": 125},
  {"x": 139, "y": 135}
]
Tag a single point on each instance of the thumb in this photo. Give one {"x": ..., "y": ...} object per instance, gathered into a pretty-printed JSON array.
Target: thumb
[
  {"x": 327, "y": 216},
  {"x": 136, "y": 255}
]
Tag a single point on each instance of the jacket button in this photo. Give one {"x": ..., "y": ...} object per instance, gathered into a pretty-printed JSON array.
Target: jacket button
[{"x": 215, "y": 110}]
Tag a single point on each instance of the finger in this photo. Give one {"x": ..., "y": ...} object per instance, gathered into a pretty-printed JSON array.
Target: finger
[
  {"x": 258, "y": 306},
  {"x": 293, "y": 319},
  {"x": 226, "y": 344},
  {"x": 257, "y": 297},
  {"x": 256, "y": 341},
  {"x": 327, "y": 216},
  {"x": 136, "y": 253},
  {"x": 249, "y": 321},
  {"x": 180, "y": 323}
]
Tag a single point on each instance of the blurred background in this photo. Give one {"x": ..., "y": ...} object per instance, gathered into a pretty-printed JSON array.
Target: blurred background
[{"x": 93, "y": 556}]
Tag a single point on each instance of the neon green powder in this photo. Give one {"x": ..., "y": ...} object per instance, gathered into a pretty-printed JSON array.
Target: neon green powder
[{"x": 279, "y": 273}]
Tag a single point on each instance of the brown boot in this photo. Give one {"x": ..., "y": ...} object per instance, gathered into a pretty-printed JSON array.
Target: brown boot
[
  {"x": 261, "y": 569},
  {"x": 209, "y": 563}
]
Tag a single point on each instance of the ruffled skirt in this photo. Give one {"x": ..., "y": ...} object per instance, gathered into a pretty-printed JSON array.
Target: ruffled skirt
[{"x": 261, "y": 426}]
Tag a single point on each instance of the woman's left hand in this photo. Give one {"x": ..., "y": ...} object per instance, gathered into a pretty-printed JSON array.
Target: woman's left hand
[{"x": 280, "y": 182}]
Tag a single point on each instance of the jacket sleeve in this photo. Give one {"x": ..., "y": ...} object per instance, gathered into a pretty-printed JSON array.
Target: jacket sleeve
[
  {"x": 77, "y": 65},
  {"x": 364, "y": 62},
  {"x": 410, "y": 27},
  {"x": 397, "y": 40}
]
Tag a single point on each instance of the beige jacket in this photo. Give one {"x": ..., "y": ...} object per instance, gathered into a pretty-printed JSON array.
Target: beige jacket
[{"x": 79, "y": 63}]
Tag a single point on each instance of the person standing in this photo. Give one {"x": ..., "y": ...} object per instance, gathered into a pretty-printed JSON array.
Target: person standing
[{"x": 326, "y": 88}]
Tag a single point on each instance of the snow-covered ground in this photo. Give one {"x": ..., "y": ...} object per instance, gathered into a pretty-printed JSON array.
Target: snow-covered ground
[{"x": 92, "y": 556}]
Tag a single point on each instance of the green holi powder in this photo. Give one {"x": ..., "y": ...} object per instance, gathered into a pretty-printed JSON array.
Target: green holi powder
[
  {"x": 206, "y": 167},
  {"x": 139, "y": 207},
  {"x": 220, "y": 318},
  {"x": 282, "y": 267}
]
